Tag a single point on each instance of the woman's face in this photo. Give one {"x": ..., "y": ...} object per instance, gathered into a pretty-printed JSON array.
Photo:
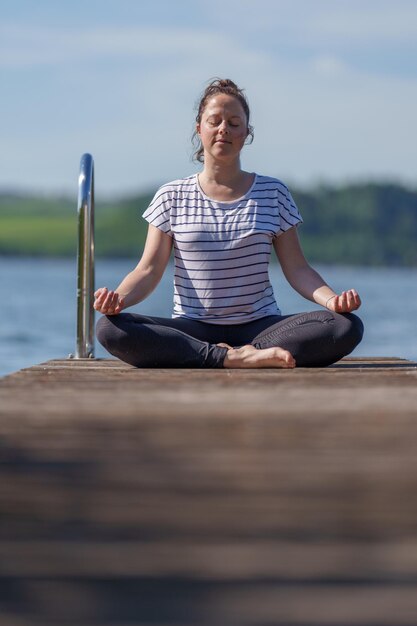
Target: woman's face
[{"x": 223, "y": 128}]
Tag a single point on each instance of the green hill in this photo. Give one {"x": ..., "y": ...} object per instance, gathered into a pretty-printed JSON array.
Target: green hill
[
  {"x": 366, "y": 224},
  {"x": 362, "y": 224}
]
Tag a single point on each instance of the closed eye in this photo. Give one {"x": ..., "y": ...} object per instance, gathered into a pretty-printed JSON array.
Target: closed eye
[{"x": 217, "y": 121}]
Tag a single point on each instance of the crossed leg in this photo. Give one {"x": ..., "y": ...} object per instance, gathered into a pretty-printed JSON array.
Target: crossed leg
[{"x": 311, "y": 339}]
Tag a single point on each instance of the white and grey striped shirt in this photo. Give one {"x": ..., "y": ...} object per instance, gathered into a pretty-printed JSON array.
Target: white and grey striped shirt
[{"x": 222, "y": 249}]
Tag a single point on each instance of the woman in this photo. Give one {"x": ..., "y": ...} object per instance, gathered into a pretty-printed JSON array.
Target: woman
[{"x": 222, "y": 224}]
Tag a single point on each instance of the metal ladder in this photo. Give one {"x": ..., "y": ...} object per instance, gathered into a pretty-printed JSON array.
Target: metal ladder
[{"x": 85, "y": 260}]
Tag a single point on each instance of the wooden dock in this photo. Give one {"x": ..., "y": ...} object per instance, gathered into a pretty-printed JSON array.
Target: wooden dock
[{"x": 209, "y": 497}]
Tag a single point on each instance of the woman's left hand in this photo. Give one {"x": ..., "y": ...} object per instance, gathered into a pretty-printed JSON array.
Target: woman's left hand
[{"x": 345, "y": 302}]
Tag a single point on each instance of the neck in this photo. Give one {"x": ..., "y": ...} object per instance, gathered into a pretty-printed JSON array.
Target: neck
[
  {"x": 224, "y": 182},
  {"x": 222, "y": 173}
]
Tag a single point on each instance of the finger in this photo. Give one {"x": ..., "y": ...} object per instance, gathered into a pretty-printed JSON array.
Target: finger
[
  {"x": 354, "y": 300},
  {"x": 120, "y": 304},
  {"x": 114, "y": 300},
  {"x": 341, "y": 302},
  {"x": 101, "y": 299},
  {"x": 100, "y": 295},
  {"x": 114, "y": 304},
  {"x": 106, "y": 304},
  {"x": 346, "y": 302},
  {"x": 100, "y": 291},
  {"x": 350, "y": 301},
  {"x": 336, "y": 303}
]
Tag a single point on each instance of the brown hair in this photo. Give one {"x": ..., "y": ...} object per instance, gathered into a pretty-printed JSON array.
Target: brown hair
[{"x": 216, "y": 86}]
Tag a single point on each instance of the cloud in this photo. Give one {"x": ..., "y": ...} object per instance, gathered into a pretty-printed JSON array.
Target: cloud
[
  {"x": 367, "y": 23},
  {"x": 328, "y": 65},
  {"x": 126, "y": 94},
  {"x": 340, "y": 21},
  {"x": 29, "y": 47}
]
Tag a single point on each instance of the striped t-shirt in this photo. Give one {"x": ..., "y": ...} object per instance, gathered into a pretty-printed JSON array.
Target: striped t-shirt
[{"x": 222, "y": 249}]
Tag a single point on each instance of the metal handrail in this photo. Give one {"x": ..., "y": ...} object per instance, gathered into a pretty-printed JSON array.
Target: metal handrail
[{"x": 85, "y": 260}]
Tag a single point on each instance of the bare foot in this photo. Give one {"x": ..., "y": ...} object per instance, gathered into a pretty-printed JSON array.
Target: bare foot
[{"x": 249, "y": 356}]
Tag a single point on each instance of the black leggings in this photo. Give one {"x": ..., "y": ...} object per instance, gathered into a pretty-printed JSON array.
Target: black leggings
[{"x": 314, "y": 339}]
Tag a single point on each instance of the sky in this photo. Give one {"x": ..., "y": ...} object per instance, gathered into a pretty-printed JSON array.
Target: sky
[{"x": 332, "y": 86}]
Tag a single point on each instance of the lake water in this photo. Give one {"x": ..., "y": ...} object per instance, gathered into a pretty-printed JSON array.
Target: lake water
[{"x": 39, "y": 306}]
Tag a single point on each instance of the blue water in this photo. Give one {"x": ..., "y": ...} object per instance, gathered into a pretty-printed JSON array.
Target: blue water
[{"x": 39, "y": 306}]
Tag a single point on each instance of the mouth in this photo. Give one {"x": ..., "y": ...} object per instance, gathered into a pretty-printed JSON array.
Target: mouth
[{"x": 222, "y": 141}]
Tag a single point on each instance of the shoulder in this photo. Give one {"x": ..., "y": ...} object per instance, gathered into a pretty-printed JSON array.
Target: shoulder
[
  {"x": 282, "y": 198},
  {"x": 178, "y": 185},
  {"x": 271, "y": 183},
  {"x": 169, "y": 194}
]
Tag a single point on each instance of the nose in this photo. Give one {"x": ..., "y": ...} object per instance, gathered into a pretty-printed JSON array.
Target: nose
[{"x": 223, "y": 127}]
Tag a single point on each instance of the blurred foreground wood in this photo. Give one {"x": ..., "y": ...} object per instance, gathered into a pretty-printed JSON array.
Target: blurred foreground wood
[{"x": 209, "y": 498}]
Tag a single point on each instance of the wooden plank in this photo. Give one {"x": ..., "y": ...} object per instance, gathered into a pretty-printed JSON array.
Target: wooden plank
[{"x": 180, "y": 497}]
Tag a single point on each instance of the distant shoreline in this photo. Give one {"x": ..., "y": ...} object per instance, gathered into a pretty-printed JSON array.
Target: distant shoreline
[{"x": 367, "y": 224}]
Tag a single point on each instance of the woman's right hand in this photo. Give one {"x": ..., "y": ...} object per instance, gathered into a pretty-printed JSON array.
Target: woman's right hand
[{"x": 108, "y": 302}]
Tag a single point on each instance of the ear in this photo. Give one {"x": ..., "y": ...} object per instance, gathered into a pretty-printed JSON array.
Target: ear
[{"x": 197, "y": 129}]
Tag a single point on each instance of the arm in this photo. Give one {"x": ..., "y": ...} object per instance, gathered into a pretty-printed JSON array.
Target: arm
[
  {"x": 140, "y": 282},
  {"x": 304, "y": 279}
]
